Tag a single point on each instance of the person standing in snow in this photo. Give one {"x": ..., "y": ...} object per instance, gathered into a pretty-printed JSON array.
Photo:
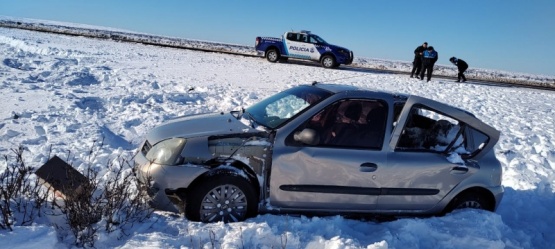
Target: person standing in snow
[
  {"x": 417, "y": 62},
  {"x": 462, "y": 66},
  {"x": 429, "y": 58}
]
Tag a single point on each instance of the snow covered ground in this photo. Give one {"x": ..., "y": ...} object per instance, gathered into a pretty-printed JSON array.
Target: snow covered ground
[
  {"x": 543, "y": 81},
  {"x": 65, "y": 93}
]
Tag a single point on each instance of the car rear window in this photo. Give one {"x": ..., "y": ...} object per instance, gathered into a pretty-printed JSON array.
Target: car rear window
[{"x": 432, "y": 131}]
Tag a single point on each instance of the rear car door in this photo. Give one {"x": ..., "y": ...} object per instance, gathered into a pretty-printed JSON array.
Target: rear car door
[
  {"x": 425, "y": 161},
  {"x": 336, "y": 172}
]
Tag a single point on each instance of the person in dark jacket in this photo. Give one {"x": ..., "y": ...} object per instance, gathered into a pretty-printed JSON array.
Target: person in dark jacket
[
  {"x": 417, "y": 62},
  {"x": 462, "y": 66},
  {"x": 429, "y": 58}
]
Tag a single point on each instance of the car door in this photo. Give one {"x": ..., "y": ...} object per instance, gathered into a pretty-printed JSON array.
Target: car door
[
  {"x": 335, "y": 172},
  {"x": 297, "y": 46},
  {"x": 419, "y": 173}
]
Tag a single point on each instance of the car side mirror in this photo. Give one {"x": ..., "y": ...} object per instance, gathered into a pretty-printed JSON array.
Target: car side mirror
[{"x": 307, "y": 136}]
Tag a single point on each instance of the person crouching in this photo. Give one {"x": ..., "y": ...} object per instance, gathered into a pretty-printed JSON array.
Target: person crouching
[{"x": 461, "y": 66}]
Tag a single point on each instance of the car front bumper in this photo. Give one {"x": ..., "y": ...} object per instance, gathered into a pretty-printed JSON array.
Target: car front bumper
[
  {"x": 344, "y": 58},
  {"x": 162, "y": 182}
]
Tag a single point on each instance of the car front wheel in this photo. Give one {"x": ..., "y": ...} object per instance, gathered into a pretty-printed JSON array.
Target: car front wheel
[
  {"x": 223, "y": 197},
  {"x": 328, "y": 61},
  {"x": 272, "y": 55}
]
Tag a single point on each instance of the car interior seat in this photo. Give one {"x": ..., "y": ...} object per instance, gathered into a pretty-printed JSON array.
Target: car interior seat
[
  {"x": 353, "y": 111},
  {"x": 372, "y": 135},
  {"x": 346, "y": 133}
]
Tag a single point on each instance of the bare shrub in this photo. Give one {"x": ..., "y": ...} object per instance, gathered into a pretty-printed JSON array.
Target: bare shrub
[
  {"x": 112, "y": 204},
  {"x": 126, "y": 202},
  {"x": 109, "y": 202},
  {"x": 21, "y": 197},
  {"x": 81, "y": 209}
]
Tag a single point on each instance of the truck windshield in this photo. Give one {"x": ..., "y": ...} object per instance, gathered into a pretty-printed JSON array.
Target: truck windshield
[
  {"x": 279, "y": 108},
  {"x": 317, "y": 39}
]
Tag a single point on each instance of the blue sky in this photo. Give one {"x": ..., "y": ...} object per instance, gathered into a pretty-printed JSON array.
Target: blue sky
[{"x": 510, "y": 35}]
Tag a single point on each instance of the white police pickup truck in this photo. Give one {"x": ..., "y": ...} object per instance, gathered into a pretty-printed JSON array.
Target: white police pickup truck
[{"x": 303, "y": 45}]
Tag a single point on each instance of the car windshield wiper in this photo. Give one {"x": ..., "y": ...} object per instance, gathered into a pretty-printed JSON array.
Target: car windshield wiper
[
  {"x": 253, "y": 121},
  {"x": 248, "y": 116}
]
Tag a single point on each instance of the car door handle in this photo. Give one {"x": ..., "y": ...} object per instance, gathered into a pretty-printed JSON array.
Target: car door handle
[
  {"x": 459, "y": 170},
  {"x": 368, "y": 167}
]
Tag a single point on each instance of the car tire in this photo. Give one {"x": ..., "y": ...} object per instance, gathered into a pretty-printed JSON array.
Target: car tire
[
  {"x": 223, "y": 197},
  {"x": 328, "y": 61},
  {"x": 469, "y": 200},
  {"x": 272, "y": 55}
]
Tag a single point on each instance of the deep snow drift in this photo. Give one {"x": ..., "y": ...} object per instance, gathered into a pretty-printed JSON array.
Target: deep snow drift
[{"x": 68, "y": 92}]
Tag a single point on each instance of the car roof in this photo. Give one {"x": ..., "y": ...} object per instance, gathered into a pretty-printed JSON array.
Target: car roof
[
  {"x": 338, "y": 88},
  {"x": 399, "y": 97},
  {"x": 300, "y": 32}
]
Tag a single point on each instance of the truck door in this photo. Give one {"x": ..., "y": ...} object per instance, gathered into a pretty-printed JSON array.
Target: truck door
[{"x": 297, "y": 45}]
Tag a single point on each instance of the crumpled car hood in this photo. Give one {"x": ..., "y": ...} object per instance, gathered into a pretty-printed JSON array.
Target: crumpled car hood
[{"x": 198, "y": 125}]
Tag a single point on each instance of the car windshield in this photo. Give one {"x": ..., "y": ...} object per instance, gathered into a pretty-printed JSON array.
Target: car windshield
[
  {"x": 318, "y": 39},
  {"x": 277, "y": 109}
]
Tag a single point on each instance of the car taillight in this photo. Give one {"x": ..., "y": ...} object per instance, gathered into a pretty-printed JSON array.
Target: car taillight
[{"x": 257, "y": 41}]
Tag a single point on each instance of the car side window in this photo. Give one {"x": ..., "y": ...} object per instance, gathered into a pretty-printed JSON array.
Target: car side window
[
  {"x": 312, "y": 39},
  {"x": 292, "y": 36},
  {"x": 302, "y": 37},
  {"x": 428, "y": 130},
  {"x": 351, "y": 124}
]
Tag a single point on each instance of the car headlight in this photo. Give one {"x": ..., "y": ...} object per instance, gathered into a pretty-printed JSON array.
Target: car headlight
[
  {"x": 344, "y": 51},
  {"x": 166, "y": 152}
]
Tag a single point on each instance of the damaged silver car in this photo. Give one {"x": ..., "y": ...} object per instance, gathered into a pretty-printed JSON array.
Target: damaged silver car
[{"x": 323, "y": 149}]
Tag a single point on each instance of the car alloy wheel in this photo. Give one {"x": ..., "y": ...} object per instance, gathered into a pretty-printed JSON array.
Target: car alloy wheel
[
  {"x": 272, "y": 55},
  {"x": 223, "y": 203},
  {"x": 470, "y": 204},
  {"x": 328, "y": 61},
  {"x": 222, "y": 196},
  {"x": 469, "y": 200}
]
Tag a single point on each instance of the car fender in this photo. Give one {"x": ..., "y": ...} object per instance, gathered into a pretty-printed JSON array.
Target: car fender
[
  {"x": 328, "y": 53},
  {"x": 276, "y": 47},
  {"x": 495, "y": 193}
]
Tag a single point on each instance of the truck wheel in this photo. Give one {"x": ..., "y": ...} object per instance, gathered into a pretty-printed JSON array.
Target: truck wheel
[
  {"x": 223, "y": 197},
  {"x": 328, "y": 61},
  {"x": 272, "y": 55}
]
